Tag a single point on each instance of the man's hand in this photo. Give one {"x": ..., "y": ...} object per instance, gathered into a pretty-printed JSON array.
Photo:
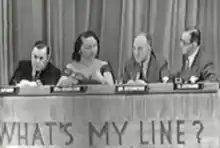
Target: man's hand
[
  {"x": 165, "y": 79},
  {"x": 193, "y": 79},
  {"x": 136, "y": 82},
  {"x": 39, "y": 83},
  {"x": 140, "y": 82},
  {"x": 131, "y": 82}
]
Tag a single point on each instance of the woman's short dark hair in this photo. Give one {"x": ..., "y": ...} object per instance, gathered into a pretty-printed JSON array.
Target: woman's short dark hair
[{"x": 78, "y": 43}]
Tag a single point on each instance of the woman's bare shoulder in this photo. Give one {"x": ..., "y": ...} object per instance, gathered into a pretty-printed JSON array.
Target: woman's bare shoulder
[
  {"x": 73, "y": 65},
  {"x": 100, "y": 62}
]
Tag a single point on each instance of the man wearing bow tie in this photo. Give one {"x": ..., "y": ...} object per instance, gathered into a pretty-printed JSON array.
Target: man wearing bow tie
[
  {"x": 145, "y": 65},
  {"x": 39, "y": 69},
  {"x": 196, "y": 66}
]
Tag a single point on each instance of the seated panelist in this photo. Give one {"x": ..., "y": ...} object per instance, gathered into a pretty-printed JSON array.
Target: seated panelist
[
  {"x": 145, "y": 65},
  {"x": 85, "y": 67},
  {"x": 196, "y": 65},
  {"x": 38, "y": 70}
]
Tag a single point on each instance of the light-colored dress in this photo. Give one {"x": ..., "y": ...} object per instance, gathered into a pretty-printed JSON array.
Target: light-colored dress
[
  {"x": 80, "y": 73},
  {"x": 86, "y": 71}
]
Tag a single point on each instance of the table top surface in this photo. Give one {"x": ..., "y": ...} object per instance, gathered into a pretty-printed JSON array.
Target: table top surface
[{"x": 154, "y": 88}]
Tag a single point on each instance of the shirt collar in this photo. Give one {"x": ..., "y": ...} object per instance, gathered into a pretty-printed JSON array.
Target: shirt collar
[{"x": 192, "y": 56}]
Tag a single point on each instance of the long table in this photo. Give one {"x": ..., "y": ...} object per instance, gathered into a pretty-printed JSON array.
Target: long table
[{"x": 186, "y": 120}]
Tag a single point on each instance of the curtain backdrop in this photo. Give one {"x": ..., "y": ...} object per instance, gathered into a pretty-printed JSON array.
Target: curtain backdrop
[{"x": 116, "y": 22}]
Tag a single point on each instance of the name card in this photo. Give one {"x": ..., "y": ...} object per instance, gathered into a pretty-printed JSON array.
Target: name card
[
  {"x": 33, "y": 90},
  {"x": 8, "y": 90},
  {"x": 75, "y": 89},
  {"x": 126, "y": 89},
  {"x": 188, "y": 86}
]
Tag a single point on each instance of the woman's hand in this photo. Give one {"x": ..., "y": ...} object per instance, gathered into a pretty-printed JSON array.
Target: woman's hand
[
  {"x": 67, "y": 81},
  {"x": 103, "y": 79},
  {"x": 98, "y": 77},
  {"x": 79, "y": 76}
]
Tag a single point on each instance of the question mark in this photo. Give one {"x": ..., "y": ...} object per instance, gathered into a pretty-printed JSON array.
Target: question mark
[{"x": 197, "y": 122}]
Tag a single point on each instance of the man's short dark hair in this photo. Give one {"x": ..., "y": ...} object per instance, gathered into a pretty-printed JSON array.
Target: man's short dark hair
[
  {"x": 78, "y": 43},
  {"x": 195, "y": 35},
  {"x": 149, "y": 39},
  {"x": 42, "y": 45}
]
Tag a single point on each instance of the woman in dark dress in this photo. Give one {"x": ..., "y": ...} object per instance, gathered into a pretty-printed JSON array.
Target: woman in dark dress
[{"x": 85, "y": 67}]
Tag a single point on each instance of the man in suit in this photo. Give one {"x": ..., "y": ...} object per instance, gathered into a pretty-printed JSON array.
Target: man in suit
[
  {"x": 39, "y": 69},
  {"x": 145, "y": 65},
  {"x": 196, "y": 66}
]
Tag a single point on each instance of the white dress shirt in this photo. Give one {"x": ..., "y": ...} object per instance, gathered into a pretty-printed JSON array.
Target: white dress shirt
[
  {"x": 191, "y": 58},
  {"x": 146, "y": 65}
]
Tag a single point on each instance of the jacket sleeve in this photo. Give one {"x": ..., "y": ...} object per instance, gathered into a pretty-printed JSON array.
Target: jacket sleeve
[
  {"x": 125, "y": 74},
  {"x": 16, "y": 77},
  {"x": 164, "y": 71},
  {"x": 163, "y": 65},
  {"x": 208, "y": 72},
  {"x": 57, "y": 77},
  {"x": 107, "y": 68}
]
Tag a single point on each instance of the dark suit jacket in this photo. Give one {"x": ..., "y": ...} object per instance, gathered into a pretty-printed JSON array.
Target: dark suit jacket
[
  {"x": 202, "y": 67},
  {"x": 49, "y": 76},
  {"x": 157, "y": 69}
]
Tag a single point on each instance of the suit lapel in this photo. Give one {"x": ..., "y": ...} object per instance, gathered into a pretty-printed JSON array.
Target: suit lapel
[
  {"x": 183, "y": 68},
  {"x": 29, "y": 71},
  {"x": 44, "y": 71},
  {"x": 151, "y": 69},
  {"x": 196, "y": 59}
]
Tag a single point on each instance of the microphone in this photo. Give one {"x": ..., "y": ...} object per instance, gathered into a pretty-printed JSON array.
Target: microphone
[{"x": 176, "y": 78}]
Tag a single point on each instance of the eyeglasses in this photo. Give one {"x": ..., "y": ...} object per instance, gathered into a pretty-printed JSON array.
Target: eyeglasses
[{"x": 184, "y": 42}]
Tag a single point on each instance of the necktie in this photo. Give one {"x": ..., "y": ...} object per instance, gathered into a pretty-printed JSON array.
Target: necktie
[
  {"x": 37, "y": 75},
  {"x": 186, "y": 64},
  {"x": 141, "y": 72}
]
